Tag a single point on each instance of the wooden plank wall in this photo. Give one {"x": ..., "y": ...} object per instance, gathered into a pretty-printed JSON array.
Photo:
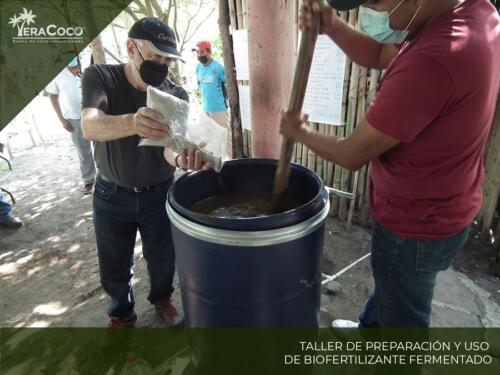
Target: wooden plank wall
[{"x": 489, "y": 217}]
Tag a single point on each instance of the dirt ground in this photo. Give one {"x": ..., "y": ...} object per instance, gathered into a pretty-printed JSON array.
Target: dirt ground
[{"x": 48, "y": 269}]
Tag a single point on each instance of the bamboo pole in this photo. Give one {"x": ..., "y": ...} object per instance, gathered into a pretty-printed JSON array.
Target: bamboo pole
[
  {"x": 497, "y": 243},
  {"x": 350, "y": 121},
  {"x": 362, "y": 92},
  {"x": 298, "y": 154},
  {"x": 323, "y": 128},
  {"x": 353, "y": 201},
  {"x": 320, "y": 162},
  {"x": 329, "y": 166},
  {"x": 364, "y": 212},
  {"x": 339, "y": 131},
  {"x": 250, "y": 149},
  {"x": 491, "y": 184},
  {"x": 311, "y": 156},
  {"x": 239, "y": 14},
  {"x": 232, "y": 14},
  {"x": 305, "y": 152},
  {"x": 245, "y": 144},
  {"x": 372, "y": 86},
  {"x": 244, "y": 13}
]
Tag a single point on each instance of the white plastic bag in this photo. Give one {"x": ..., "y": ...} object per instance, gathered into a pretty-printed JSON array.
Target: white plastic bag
[{"x": 190, "y": 128}]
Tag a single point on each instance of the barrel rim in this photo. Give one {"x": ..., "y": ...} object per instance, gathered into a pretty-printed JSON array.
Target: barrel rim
[
  {"x": 261, "y": 223},
  {"x": 248, "y": 238}
]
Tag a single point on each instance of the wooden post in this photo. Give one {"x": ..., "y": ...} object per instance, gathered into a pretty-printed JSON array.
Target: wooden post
[
  {"x": 271, "y": 60},
  {"x": 98, "y": 51}
]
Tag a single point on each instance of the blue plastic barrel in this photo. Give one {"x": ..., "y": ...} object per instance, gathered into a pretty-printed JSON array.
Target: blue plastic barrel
[{"x": 252, "y": 272}]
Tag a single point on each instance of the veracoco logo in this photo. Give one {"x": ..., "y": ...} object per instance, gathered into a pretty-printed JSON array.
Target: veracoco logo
[{"x": 52, "y": 33}]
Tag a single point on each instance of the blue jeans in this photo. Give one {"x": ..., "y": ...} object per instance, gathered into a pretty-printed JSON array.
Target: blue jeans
[
  {"x": 118, "y": 214},
  {"x": 405, "y": 275},
  {"x": 5, "y": 208}
]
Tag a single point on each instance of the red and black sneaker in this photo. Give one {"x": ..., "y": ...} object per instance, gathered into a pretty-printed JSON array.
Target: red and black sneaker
[
  {"x": 115, "y": 322},
  {"x": 167, "y": 312}
]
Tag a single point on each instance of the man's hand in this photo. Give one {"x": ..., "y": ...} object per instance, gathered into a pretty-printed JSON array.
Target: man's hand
[
  {"x": 328, "y": 16},
  {"x": 148, "y": 123},
  {"x": 293, "y": 126},
  {"x": 67, "y": 125},
  {"x": 191, "y": 159}
]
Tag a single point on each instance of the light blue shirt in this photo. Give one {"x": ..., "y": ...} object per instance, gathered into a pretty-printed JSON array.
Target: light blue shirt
[{"x": 210, "y": 80}]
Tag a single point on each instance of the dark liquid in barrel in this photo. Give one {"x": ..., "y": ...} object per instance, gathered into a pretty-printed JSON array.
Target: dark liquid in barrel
[{"x": 243, "y": 205}]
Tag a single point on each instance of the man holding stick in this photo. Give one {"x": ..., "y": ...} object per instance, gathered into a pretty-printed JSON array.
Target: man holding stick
[{"x": 424, "y": 133}]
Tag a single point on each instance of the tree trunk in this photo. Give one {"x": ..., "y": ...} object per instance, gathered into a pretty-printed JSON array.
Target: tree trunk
[
  {"x": 98, "y": 51},
  {"x": 232, "y": 85}
]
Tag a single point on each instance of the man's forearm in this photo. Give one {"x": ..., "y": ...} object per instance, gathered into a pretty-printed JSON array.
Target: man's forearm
[
  {"x": 359, "y": 47},
  {"x": 332, "y": 149},
  {"x": 108, "y": 128}
]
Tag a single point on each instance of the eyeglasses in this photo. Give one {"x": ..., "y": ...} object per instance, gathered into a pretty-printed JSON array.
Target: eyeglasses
[{"x": 170, "y": 62}]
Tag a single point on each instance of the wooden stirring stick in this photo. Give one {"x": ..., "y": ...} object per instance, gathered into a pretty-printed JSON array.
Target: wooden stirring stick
[{"x": 304, "y": 61}]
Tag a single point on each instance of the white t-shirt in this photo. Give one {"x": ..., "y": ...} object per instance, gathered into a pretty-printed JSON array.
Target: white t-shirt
[{"x": 69, "y": 88}]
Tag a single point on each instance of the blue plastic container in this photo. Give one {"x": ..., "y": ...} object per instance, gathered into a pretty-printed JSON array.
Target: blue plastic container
[{"x": 255, "y": 272}]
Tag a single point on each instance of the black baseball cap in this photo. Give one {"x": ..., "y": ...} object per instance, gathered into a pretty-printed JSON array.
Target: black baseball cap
[
  {"x": 157, "y": 35},
  {"x": 345, "y": 4}
]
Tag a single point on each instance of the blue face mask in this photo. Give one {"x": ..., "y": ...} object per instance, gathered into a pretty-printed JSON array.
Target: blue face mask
[{"x": 377, "y": 25}]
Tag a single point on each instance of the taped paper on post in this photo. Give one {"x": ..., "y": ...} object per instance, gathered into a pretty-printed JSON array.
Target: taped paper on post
[{"x": 325, "y": 88}]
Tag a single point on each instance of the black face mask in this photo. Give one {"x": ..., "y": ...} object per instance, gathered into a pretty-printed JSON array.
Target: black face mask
[
  {"x": 152, "y": 73},
  {"x": 203, "y": 59}
]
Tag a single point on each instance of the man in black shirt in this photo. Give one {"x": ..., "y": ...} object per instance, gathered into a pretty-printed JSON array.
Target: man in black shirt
[{"x": 132, "y": 183}]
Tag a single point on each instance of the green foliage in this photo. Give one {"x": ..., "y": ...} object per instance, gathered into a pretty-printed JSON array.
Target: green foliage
[{"x": 217, "y": 49}]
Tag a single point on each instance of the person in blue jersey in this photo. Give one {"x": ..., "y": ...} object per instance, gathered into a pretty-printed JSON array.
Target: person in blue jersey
[{"x": 212, "y": 83}]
